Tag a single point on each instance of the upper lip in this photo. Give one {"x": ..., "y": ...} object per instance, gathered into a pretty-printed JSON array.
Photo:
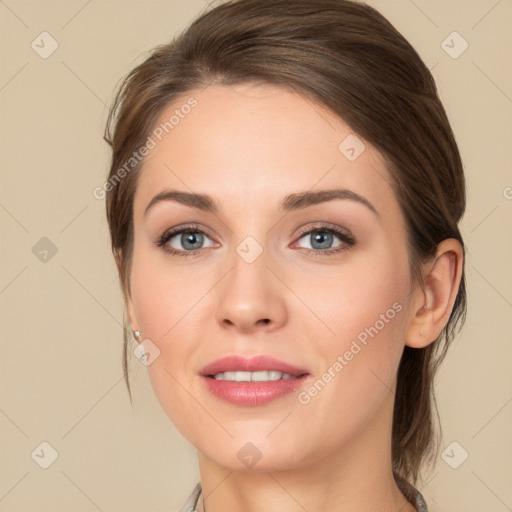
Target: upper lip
[{"x": 236, "y": 363}]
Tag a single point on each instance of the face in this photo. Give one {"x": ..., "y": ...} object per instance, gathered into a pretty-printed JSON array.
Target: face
[{"x": 319, "y": 282}]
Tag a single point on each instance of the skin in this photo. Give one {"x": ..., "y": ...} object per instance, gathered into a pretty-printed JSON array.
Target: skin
[{"x": 248, "y": 147}]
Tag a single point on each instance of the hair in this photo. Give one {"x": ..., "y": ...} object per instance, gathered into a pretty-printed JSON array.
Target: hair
[{"x": 343, "y": 55}]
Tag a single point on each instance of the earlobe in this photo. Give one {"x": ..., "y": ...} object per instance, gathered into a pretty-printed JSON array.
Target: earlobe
[
  {"x": 433, "y": 305},
  {"x": 131, "y": 314}
]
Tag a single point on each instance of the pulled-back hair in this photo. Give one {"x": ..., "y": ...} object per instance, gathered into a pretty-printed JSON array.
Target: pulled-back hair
[{"x": 346, "y": 56}]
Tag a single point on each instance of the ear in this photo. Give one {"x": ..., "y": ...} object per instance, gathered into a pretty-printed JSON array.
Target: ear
[
  {"x": 432, "y": 307},
  {"x": 131, "y": 314},
  {"x": 127, "y": 293}
]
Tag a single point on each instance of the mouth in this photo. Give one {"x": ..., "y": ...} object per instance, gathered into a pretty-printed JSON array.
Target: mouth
[{"x": 251, "y": 382}]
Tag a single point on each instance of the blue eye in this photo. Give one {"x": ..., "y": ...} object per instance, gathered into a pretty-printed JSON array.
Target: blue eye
[
  {"x": 188, "y": 241},
  {"x": 322, "y": 238}
]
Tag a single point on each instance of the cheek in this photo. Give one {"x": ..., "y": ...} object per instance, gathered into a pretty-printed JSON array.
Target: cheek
[
  {"x": 361, "y": 358},
  {"x": 363, "y": 307},
  {"x": 165, "y": 307},
  {"x": 367, "y": 289},
  {"x": 168, "y": 308},
  {"x": 161, "y": 294}
]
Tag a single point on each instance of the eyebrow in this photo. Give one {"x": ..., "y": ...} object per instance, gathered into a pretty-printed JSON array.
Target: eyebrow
[{"x": 291, "y": 202}]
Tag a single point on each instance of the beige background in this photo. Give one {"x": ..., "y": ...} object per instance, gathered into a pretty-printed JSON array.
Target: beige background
[{"x": 61, "y": 378}]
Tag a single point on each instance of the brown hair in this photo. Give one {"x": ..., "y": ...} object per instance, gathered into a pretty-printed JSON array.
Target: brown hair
[{"x": 346, "y": 56}]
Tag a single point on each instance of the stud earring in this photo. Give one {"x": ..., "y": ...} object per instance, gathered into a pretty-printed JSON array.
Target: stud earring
[{"x": 138, "y": 336}]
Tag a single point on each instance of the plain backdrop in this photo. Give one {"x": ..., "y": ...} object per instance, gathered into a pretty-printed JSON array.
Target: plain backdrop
[{"x": 61, "y": 306}]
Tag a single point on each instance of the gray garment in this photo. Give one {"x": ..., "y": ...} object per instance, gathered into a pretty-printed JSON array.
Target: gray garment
[
  {"x": 407, "y": 489},
  {"x": 191, "y": 503}
]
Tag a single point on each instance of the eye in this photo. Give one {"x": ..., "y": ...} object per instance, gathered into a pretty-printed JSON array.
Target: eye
[
  {"x": 184, "y": 241},
  {"x": 325, "y": 239},
  {"x": 322, "y": 240}
]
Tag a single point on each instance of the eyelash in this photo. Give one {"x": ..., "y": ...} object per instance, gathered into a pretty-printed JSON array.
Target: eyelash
[{"x": 348, "y": 240}]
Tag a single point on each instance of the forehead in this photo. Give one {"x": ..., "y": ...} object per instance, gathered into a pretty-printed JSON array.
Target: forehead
[{"x": 258, "y": 141}]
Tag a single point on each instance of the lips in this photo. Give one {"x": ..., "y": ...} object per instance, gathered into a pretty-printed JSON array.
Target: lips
[
  {"x": 255, "y": 364},
  {"x": 232, "y": 383}
]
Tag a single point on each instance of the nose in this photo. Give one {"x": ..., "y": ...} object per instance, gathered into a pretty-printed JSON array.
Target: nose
[{"x": 251, "y": 298}]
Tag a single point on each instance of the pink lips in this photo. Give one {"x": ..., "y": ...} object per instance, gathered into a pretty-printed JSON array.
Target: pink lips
[{"x": 252, "y": 393}]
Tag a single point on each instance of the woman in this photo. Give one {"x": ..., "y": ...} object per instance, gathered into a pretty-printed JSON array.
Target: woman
[{"x": 283, "y": 203}]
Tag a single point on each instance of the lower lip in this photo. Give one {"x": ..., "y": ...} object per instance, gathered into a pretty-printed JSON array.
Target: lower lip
[{"x": 252, "y": 393}]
